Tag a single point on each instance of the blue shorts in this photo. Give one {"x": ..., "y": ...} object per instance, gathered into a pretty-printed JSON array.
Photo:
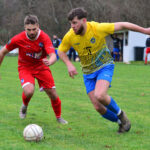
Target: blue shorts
[
  {"x": 104, "y": 73},
  {"x": 116, "y": 50}
]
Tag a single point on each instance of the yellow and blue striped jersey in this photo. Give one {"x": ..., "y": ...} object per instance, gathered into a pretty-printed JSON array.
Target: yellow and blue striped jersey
[{"x": 91, "y": 47}]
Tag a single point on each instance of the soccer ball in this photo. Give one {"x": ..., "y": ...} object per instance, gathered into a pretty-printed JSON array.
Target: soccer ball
[{"x": 33, "y": 132}]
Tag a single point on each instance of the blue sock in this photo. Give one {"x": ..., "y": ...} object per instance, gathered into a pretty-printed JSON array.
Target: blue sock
[
  {"x": 114, "y": 56},
  {"x": 113, "y": 106},
  {"x": 110, "y": 116},
  {"x": 118, "y": 57}
]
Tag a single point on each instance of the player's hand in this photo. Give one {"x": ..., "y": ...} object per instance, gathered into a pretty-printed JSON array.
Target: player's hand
[
  {"x": 46, "y": 61},
  {"x": 72, "y": 71},
  {"x": 51, "y": 60}
]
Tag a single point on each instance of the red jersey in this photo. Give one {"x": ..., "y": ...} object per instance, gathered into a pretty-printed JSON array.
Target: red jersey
[{"x": 31, "y": 52}]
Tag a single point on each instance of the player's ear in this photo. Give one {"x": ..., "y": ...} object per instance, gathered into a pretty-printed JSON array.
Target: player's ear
[
  {"x": 38, "y": 25},
  {"x": 24, "y": 27},
  {"x": 84, "y": 20}
]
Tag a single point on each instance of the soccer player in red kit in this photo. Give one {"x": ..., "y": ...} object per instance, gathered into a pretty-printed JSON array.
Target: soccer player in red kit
[
  {"x": 147, "y": 49},
  {"x": 34, "y": 46}
]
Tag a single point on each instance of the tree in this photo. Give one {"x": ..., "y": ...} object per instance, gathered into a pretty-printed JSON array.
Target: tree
[{"x": 52, "y": 14}]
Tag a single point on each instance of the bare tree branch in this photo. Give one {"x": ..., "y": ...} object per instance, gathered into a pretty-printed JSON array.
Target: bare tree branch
[
  {"x": 53, "y": 13},
  {"x": 70, "y": 3}
]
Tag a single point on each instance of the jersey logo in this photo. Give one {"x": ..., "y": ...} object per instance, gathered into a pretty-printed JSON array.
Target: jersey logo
[
  {"x": 93, "y": 40},
  {"x": 22, "y": 80},
  {"x": 88, "y": 48},
  {"x": 35, "y": 55},
  {"x": 41, "y": 44},
  {"x": 9, "y": 42}
]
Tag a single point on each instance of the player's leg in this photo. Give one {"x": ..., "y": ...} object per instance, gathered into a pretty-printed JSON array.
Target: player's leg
[
  {"x": 28, "y": 91},
  {"x": 90, "y": 83},
  {"x": 70, "y": 54},
  {"x": 102, "y": 85},
  {"x": 74, "y": 55},
  {"x": 146, "y": 54},
  {"x": 100, "y": 108},
  {"x": 115, "y": 53},
  {"x": 112, "y": 107},
  {"x": 27, "y": 82},
  {"x": 56, "y": 104},
  {"x": 101, "y": 95},
  {"x": 46, "y": 82},
  {"x": 26, "y": 96},
  {"x": 118, "y": 56},
  {"x": 114, "y": 56},
  {"x": 146, "y": 59}
]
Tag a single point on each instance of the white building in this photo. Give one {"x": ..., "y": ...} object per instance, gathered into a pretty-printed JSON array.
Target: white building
[
  {"x": 15, "y": 51},
  {"x": 133, "y": 46}
]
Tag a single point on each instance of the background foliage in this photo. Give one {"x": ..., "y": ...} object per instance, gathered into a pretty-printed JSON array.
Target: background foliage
[{"x": 53, "y": 14}]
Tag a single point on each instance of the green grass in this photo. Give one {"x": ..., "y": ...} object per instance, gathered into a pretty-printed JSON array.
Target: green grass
[{"x": 86, "y": 130}]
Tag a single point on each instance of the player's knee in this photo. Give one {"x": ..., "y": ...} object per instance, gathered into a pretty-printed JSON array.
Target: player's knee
[
  {"x": 100, "y": 96},
  {"x": 29, "y": 91}
]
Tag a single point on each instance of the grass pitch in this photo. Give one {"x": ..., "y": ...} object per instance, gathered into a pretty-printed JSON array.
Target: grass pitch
[{"x": 86, "y": 130}]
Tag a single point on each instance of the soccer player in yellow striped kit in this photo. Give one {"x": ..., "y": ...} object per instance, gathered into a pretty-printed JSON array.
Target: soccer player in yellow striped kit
[{"x": 88, "y": 39}]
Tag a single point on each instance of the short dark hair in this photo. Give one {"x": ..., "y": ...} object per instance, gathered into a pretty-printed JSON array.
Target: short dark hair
[
  {"x": 31, "y": 19},
  {"x": 77, "y": 12}
]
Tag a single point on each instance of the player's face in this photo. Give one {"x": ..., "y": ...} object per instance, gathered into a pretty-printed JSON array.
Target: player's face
[
  {"x": 78, "y": 25},
  {"x": 32, "y": 30}
]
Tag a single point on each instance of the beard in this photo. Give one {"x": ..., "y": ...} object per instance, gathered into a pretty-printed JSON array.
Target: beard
[
  {"x": 32, "y": 36},
  {"x": 80, "y": 30}
]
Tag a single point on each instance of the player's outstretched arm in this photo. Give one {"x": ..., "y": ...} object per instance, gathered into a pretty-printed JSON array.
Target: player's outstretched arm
[
  {"x": 3, "y": 52},
  {"x": 71, "y": 68},
  {"x": 130, "y": 26}
]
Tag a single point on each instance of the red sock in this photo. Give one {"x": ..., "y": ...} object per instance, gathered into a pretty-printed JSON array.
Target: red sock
[
  {"x": 25, "y": 99},
  {"x": 56, "y": 104},
  {"x": 145, "y": 60}
]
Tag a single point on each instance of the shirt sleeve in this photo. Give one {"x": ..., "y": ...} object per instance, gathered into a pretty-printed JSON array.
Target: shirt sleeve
[
  {"x": 105, "y": 29},
  {"x": 65, "y": 44},
  {"x": 11, "y": 45}
]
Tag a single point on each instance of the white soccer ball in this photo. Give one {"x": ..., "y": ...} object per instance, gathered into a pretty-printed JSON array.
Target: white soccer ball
[{"x": 33, "y": 132}]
